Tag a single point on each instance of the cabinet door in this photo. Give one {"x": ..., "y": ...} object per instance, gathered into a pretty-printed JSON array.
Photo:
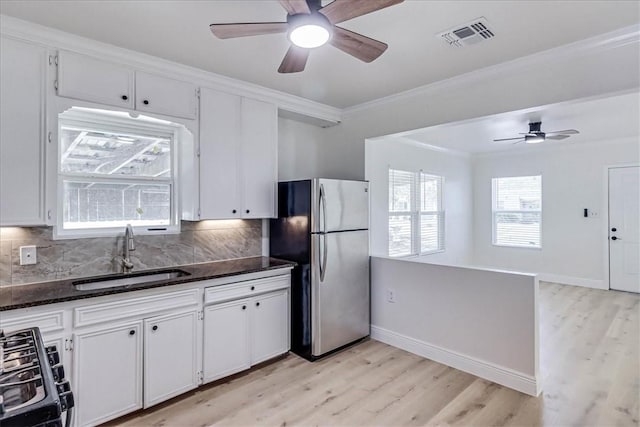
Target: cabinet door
[
  {"x": 22, "y": 85},
  {"x": 259, "y": 158},
  {"x": 91, "y": 79},
  {"x": 170, "y": 362},
  {"x": 226, "y": 339},
  {"x": 107, "y": 373},
  {"x": 165, "y": 96},
  {"x": 269, "y": 326},
  {"x": 219, "y": 150}
]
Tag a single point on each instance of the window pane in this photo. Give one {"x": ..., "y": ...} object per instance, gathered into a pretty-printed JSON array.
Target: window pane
[
  {"x": 400, "y": 190},
  {"x": 400, "y": 235},
  {"x": 429, "y": 192},
  {"x": 431, "y": 232},
  {"x": 101, "y": 205},
  {"x": 517, "y": 193},
  {"x": 517, "y": 228},
  {"x": 114, "y": 153}
]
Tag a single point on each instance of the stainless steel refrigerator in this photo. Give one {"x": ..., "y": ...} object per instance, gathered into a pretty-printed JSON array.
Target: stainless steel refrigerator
[{"x": 323, "y": 225}]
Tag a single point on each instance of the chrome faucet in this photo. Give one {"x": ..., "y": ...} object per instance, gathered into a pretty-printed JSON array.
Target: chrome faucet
[{"x": 129, "y": 246}]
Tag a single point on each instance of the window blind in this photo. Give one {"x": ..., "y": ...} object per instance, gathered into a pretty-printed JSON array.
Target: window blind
[
  {"x": 401, "y": 212},
  {"x": 416, "y": 218},
  {"x": 431, "y": 214},
  {"x": 517, "y": 211}
]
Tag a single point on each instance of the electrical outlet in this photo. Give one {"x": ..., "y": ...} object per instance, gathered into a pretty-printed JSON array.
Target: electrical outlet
[
  {"x": 391, "y": 295},
  {"x": 27, "y": 255}
]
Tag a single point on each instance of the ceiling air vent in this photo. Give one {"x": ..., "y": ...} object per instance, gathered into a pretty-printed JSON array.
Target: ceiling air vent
[{"x": 473, "y": 32}]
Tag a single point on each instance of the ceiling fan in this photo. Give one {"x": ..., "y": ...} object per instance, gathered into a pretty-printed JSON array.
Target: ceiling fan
[
  {"x": 309, "y": 25},
  {"x": 535, "y": 135}
]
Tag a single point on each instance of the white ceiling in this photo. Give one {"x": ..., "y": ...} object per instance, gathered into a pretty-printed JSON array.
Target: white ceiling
[
  {"x": 601, "y": 119},
  {"x": 179, "y": 31}
]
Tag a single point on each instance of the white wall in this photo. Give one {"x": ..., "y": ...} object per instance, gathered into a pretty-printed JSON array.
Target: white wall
[
  {"x": 480, "y": 321},
  {"x": 573, "y": 178},
  {"x": 385, "y": 153},
  {"x": 299, "y": 150}
]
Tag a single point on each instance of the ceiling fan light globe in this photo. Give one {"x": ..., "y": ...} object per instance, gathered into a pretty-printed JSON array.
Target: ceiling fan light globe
[
  {"x": 309, "y": 36},
  {"x": 534, "y": 139}
]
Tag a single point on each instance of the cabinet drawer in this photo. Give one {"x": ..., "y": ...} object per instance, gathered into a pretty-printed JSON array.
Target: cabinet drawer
[
  {"x": 142, "y": 306},
  {"x": 52, "y": 321},
  {"x": 245, "y": 289}
]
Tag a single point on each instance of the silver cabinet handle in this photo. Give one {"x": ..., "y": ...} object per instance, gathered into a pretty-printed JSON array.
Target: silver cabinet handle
[{"x": 323, "y": 201}]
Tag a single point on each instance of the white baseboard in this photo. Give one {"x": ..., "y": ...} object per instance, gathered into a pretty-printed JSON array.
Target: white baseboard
[
  {"x": 574, "y": 281},
  {"x": 480, "y": 368}
]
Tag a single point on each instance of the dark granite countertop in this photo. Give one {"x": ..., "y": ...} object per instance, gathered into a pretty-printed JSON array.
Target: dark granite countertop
[{"x": 28, "y": 295}]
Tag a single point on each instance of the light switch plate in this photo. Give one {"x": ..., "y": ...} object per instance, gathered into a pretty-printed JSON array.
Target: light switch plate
[{"x": 27, "y": 255}]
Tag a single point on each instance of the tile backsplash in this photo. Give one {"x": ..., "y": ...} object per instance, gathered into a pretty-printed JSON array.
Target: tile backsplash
[{"x": 59, "y": 259}]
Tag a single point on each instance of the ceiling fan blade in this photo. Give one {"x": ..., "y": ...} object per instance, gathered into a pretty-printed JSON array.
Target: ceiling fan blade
[
  {"x": 229, "y": 31},
  {"x": 294, "y": 61},
  {"x": 558, "y": 137},
  {"x": 295, "y": 7},
  {"x": 508, "y": 139},
  {"x": 343, "y": 10},
  {"x": 362, "y": 47},
  {"x": 563, "y": 132}
]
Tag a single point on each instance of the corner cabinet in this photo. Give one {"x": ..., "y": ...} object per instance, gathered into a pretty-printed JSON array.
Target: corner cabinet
[
  {"x": 238, "y": 156},
  {"x": 23, "y": 77}
]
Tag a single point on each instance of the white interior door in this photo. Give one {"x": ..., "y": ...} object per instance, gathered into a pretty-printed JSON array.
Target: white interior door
[{"x": 624, "y": 229}]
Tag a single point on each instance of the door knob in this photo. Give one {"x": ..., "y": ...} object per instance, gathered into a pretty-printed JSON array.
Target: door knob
[
  {"x": 614, "y": 238},
  {"x": 145, "y": 102},
  {"x": 614, "y": 229},
  {"x": 155, "y": 327}
]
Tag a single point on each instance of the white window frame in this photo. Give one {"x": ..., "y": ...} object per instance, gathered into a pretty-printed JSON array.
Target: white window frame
[
  {"x": 416, "y": 215},
  {"x": 495, "y": 211},
  {"x": 110, "y": 123}
]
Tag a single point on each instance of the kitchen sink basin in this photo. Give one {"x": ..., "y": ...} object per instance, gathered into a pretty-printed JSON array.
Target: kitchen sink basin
[{"x": 127, "y": 279}]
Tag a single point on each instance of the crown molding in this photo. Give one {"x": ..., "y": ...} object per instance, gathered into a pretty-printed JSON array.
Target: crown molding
[
  {"x": 322, "y": 114},
  {"x": 604, "y": 42}
]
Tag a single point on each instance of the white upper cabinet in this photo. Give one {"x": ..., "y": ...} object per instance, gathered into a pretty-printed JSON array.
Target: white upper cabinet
[
  {"x": 259, "y": 158},
  {"x": 219, "y": 154},
  {"x": 238, "y": 156},
  {"x": 166, "y": 96},
  {"x": 23, "y": 70},
  {"x": 92, "y": 79}
]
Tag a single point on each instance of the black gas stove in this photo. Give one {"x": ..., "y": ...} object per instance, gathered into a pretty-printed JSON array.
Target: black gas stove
[{"x": 33, "y": 391}]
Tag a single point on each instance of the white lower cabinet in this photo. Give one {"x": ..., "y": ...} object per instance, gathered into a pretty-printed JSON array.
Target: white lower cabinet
[
  {"x": 125, "y": 353},
  {"x": 226, "y": 339},
  {"x": 113, "y": 363},
  {"x": 170, "y": 359},
  {"x": 108, "y": 373},
  {"x": 241, "y": 333},
  {"x": 269, "y": 326}
]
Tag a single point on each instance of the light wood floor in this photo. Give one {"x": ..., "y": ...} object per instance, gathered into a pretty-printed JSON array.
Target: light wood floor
[{"x": 589, "y": 358}]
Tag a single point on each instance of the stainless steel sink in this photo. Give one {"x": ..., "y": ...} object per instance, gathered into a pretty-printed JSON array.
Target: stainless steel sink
[{"x": 127, "y": 279}]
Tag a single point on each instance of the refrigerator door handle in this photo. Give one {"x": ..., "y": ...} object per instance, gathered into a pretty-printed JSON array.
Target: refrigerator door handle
[
  {"x": 323, "y": 269},
  {"x": 323, "y": 202}
]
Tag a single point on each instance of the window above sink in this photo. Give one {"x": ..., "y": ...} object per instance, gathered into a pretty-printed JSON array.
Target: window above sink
[{"x": 115, "y": 169}]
